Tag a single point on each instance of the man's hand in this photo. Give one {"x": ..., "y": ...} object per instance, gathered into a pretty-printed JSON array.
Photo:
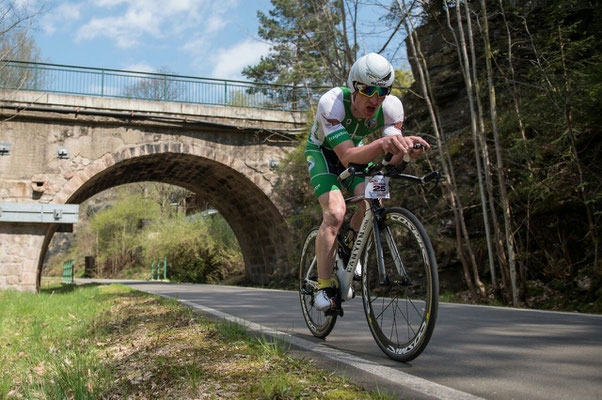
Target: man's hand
[
  {"x": 418, "y": 147},
  {"x": 397, "y": 144}
]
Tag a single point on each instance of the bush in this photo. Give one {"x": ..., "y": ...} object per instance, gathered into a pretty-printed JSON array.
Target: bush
[
  {"x": 198, "y": 251},
  {"x": 117, "y": 229}
]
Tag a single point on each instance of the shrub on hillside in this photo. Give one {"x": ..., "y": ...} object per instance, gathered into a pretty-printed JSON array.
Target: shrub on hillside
[
  {"x": 193, "y": 253},
  {"x": 117, "y": 232}
]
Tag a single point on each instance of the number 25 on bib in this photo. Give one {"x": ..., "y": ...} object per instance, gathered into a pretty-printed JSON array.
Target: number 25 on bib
[{"x": 377, "y": 187}]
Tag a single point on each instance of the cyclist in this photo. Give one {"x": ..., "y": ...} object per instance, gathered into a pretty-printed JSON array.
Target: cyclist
[{"x": 345, "y": 116}]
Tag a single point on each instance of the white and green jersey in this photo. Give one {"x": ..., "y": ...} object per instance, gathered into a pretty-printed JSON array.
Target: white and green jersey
[{"x": 334, "y": 123}]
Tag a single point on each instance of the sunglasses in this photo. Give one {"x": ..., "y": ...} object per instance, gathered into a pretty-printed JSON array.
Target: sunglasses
[{"x": 370, "y": 91}]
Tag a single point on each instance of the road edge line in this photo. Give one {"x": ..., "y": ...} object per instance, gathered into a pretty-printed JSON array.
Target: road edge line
[{"x": 389, "y": 374}]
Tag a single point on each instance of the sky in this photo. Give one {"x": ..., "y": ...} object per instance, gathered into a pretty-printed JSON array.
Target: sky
[{"x": 203, "y": 38}]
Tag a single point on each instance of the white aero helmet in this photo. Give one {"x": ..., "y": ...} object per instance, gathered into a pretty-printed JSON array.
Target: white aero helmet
[{"x": 371, "y": 70}]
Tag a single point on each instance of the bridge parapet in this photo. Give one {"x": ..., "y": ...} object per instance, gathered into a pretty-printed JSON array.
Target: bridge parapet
[{"x": 287, "y": 122}]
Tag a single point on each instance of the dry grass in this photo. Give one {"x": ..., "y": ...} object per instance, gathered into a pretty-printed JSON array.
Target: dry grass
[{"x": 139, "y": 346}]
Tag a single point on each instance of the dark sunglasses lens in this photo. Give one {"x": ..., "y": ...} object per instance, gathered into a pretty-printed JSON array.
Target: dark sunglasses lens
[{"x": 383, "y": 91}]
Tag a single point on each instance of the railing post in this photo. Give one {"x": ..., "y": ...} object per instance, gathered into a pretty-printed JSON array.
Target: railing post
[
  {"x": 225, "y": 93},
  {"x": 164, "y": 87},
  {"x": 102, "y": 83},
  {"x": 35, "y": 77},
  {"x": 152, "y": 271},
  {"x": 165, "y": 269}
]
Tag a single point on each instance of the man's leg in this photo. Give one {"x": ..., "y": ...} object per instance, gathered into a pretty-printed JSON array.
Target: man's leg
[
  {"x": 333, "y": 214},
  {"x": 358, "y": 215}
]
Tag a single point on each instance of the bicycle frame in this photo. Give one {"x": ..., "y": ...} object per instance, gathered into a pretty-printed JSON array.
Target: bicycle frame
[
  {"x": 345, "y": 272},
  {"x": 368, "y": 226}
]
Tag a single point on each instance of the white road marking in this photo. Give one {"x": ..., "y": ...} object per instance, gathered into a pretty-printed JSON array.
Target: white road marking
[{"x": 397, "y": 377}]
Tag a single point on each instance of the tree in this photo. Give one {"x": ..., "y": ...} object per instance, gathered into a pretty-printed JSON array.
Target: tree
[
  {"x": 309, "y": 41},
  {"x": 117, "y": 228},
  {"x": 505, "y": 203},
  {"x": 403, "y": 81},
  {"x": 469, "y": 83},
  {"x": 16, "y": 43},
  {"x": 565, "y": 59},
  {"x": 157, "y": 86}
]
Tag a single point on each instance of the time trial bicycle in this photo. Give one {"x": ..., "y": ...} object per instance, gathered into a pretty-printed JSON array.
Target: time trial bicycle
[{"x": 393, "y": 258}]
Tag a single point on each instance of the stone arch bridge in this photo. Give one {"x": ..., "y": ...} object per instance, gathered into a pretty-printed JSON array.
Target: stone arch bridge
[{"x": 63, "y": 149}]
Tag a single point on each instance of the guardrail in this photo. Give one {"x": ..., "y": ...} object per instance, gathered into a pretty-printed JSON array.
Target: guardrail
[{"x": 104, "y": 82}]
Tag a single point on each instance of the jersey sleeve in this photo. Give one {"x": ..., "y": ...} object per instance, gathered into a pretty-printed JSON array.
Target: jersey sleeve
[
  {"x": 331, "y": 112},
  {"x": 393, "y": 112}
]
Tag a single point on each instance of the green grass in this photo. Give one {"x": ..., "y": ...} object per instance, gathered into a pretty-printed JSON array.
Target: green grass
[
  {"x": 98, "y": 342},
  {"x": 46, "y": 346}
]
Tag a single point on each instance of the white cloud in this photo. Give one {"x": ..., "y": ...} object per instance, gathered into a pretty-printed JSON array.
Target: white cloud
[
  {"x": 108, "y": 3},
  {"x": 139, "y": 67},
  {"x": 126, "y": 30},
  {"x": 230, "y": 62},
  {"x": 197, "y": 44},
  {"x": 60, "y": 16},
  {"x": 215, "y": 24},
  {"x": 131, "y": 22},
  {"x": 27, "y": 5}
]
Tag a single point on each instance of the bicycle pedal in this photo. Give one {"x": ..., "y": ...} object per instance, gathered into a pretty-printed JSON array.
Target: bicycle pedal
[{"x": 333, "y": 312}]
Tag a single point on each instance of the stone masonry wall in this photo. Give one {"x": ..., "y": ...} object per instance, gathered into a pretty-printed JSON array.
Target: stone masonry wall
[
  {"x": 19, "y": 250},
  {"x": 229, "y": 165}
]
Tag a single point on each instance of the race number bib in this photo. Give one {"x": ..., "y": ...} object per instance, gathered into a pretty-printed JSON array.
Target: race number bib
[{"x": 377, "y": 187}]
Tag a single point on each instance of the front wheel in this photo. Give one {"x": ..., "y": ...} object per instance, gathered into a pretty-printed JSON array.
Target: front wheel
[
  {"x": 401, "y": 302},
  {"x": 319, "y": 324}
]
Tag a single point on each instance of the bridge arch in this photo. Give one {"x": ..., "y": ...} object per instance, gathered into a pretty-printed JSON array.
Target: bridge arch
[{"x": 240, "y": 193}]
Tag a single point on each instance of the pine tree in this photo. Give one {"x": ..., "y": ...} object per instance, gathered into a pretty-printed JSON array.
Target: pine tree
[{"x": 309, "y": 44}]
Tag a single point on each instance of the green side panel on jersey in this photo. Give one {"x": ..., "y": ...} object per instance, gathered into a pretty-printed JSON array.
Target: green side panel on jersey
[{"x": 337, "y": 138}]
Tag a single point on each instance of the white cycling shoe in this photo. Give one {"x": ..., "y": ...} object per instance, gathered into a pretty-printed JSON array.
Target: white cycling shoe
[{"x": 325, "y": 299}]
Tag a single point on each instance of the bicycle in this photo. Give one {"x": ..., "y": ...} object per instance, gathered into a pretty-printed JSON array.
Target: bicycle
[{"x": 399, "y": 279}]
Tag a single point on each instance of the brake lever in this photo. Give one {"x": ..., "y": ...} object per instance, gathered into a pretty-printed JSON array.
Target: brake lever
[
  {"x": 434, "y": 175},
  {"x": 392, "y": 170}
]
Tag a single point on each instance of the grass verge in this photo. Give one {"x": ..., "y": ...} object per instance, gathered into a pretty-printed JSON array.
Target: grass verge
[{"x": 112, "y": 342}]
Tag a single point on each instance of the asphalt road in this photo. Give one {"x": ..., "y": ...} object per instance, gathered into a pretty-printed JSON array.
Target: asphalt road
[{"x": 475, "y": 351}]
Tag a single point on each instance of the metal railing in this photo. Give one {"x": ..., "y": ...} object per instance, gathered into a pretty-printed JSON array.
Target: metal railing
[
  {"x": 104, "y": 82},
  {"x": 158, "y": 270},
  {"x": 68, "y": 271}
]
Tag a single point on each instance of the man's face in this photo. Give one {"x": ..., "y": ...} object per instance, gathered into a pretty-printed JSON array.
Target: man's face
[{"x": 365, "y": 106}]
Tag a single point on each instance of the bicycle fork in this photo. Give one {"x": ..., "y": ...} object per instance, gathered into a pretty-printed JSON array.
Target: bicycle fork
[{"x": 379, "y": 222}]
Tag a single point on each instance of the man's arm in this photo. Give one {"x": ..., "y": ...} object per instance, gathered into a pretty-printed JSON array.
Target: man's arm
[{"x": 349, "y": 153}]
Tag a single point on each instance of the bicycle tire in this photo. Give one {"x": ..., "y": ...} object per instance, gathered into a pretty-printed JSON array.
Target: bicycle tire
[
  {"x": 393, "y": 302},
  {"x": 318, "y": 323}
]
